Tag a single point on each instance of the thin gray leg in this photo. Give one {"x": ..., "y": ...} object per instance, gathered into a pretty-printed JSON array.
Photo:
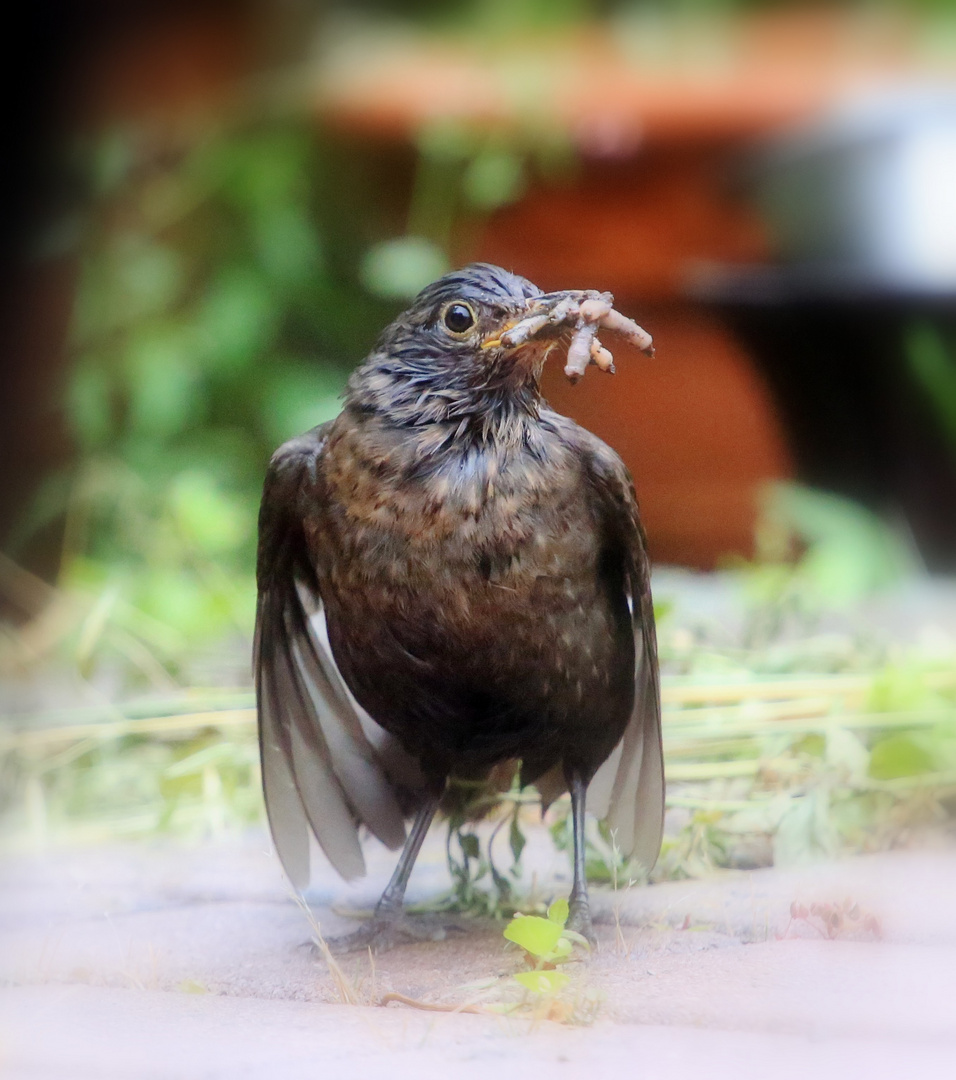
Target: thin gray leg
[
  {"x": 392, "y": 898},
  {"x": 389, "y": 926},
  {"x": 579, "y": 915}
]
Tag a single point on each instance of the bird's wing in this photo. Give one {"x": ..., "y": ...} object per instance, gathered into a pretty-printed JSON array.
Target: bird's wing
[
  {"x": 628, "y": 789},
  {"x": 325, "y": 763}
]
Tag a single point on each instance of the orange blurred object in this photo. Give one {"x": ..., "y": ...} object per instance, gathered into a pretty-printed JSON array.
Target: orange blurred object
[
  {"x": 649, "y": 201},
  {"x": 695, "y": 424}
]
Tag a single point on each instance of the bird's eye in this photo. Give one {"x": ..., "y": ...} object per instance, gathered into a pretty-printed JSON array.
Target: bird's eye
[{"x": 459, "y": 318}]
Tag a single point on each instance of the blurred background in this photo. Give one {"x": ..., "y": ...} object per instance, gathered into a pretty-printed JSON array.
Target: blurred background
[{"x": 215, "y": 207}]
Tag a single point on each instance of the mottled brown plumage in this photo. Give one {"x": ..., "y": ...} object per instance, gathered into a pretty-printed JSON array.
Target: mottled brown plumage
[{"x": 452, "y": 575}]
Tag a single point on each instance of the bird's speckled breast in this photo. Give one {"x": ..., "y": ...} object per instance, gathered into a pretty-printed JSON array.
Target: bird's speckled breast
[{"x": 472, "y": 587}]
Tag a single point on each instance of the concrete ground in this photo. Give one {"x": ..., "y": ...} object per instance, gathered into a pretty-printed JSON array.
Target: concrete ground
[{"x": 162, "y": 960}]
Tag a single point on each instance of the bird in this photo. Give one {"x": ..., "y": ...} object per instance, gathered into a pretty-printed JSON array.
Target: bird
[{"x": 453, "y": 576}]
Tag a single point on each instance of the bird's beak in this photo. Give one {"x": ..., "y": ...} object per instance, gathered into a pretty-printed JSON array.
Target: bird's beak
[
  {"x": 537, "y": 306},
  {"x": 493, "y": 341}
]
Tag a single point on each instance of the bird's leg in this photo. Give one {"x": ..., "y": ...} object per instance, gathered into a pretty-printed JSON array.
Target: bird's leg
[
  {"x": 579, "y": 914},
  {"x": 390, "y": 903},
  {"x": 389, "y": 926}
]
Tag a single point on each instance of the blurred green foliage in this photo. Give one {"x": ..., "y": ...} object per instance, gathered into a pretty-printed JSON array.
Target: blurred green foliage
[
  {"x": 232, "y": 275},
  {"x": 817, "y": 551},
  {"x": 228, "y": 285},
  {"x": 545, "y": 13},
  {"x": 851, "y": 745},
  {"x": 207, "y": 329},
  {"x": 930, "y": 350}
]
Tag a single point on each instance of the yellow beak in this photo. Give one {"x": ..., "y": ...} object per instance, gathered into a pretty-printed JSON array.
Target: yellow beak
[{"x": 495, "y": 342}]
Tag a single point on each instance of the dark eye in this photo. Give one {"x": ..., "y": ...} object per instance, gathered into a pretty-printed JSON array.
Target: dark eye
[{"x": 458, "y": 318}]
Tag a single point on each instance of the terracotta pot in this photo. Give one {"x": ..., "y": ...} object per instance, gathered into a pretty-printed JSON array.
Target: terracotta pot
[{"x": 696, "y": 426}]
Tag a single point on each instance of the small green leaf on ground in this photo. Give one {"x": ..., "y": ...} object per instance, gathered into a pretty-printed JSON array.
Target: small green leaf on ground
[
  {"x": 558, "y": 912},
  {"x": 469, "y": 846},
  {"x": 516, "y": 839},
  {"x": 535, "y": 935},
  {"x": 543, "y": 982},
  {"x": 897, "y": 756}
]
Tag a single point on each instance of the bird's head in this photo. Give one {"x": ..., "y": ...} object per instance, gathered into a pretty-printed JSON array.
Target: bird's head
[
  {"x": 443, "y": 358},
  {"x": 464, "y": 314}
]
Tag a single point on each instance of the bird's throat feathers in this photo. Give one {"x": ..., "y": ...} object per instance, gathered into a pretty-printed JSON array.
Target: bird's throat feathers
[
  {"x": 470, "y": 401},
  {"x": 439, "y": 385}
]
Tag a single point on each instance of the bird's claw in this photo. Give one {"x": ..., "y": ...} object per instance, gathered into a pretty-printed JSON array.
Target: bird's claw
[
  {"x": 579, "y": 920},
  {"x": 384, "y": 932}
]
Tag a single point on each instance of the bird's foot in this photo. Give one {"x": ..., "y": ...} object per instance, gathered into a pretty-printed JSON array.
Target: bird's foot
[
  {"x": 387, "y": 931},
  {"x": 579, "y": 920}
]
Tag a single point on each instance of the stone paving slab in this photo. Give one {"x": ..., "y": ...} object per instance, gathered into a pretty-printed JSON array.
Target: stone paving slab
[
  {"x": 88, "y": 1033},
  {"x": 161, "y": 960}
]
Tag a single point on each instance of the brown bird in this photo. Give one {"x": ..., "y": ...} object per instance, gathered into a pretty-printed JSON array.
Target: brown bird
[{"x": 451, "y": 576}]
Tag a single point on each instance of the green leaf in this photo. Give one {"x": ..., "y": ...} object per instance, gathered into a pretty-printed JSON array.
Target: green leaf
[
  {"x": 561, "y": 833},
  {"x": 850, "y": 551},
  {"x": 175, "y": 598},
  {"x": 237, "y": 318},
  {"x": 207, "y": 517},
  {"x": 846, "y": 754},
  {"x": 561, "y": 951},
  {"x": 502, "y": 884},
  {"x": 299, "y": 396},
  {"x": 469, "y": 845},
  {"x": 110, "y": 161},
  {"x": 163, "y": 392},
  {"x": 899, "y": 755},
  {"x": 494, "y": 178},
  {"x": 558, "y": 912},
  {"x": 399, "y": 269},
  {"x": 663, "y": 609},
  {"x": 543, "y": 982},
  {"x": 813, "y": 744},
  {"x": 572, "y": 937},
  {"x": 804, "y": 832},
  {"x": 88, "y": 405},
  {"x": 535, "y": 935},
  {"x": 287, "y": 242},
  {"x": 932, "y": 362},
  {"x": 265, "y": 171},
  {"x": 446, "y": 141},
  {"x": 146, "y": 277},
  {"x": 516, "y": 839},
  {"x": 900, "y": 689}
]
